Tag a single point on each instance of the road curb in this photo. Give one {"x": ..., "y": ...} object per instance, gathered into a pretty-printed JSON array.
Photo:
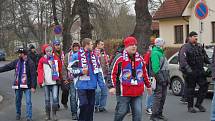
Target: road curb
[{"x": 1, "y": 98}]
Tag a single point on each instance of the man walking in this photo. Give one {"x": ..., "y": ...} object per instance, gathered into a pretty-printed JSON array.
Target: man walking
[
  {"x": 127, "y": 78},
  {"x": 191, "y": 63}
]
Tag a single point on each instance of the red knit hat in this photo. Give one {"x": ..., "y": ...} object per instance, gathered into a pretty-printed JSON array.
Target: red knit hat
[
  {"x": 44, "y": 48},
  {"x": 129, "y": 41}
]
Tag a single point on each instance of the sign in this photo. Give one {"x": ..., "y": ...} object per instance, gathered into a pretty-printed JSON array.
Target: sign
[
  {"x": 57, "y": 29},
  {"x": 201, "y": 10}
]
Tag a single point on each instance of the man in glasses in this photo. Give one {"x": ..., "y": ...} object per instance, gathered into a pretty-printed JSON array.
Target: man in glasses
[{"x": 25, "y": 81}]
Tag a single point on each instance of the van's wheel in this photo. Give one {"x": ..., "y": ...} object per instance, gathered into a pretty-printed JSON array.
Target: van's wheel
[{"x": 177, "y": 86}]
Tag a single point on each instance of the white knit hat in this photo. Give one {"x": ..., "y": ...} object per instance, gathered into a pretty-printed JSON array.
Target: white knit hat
[{"x": 159, "y": 42}]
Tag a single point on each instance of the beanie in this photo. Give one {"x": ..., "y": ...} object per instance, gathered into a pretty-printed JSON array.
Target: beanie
[
  {"x": 159, "y": 42},
  {"x": 129, "y": 41},
  {"x": 192, "y": 34},
  {"x": 56, "y": 42}
]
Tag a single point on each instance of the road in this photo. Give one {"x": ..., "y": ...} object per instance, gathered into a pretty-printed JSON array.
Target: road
[{"x": 174, "y": 110}]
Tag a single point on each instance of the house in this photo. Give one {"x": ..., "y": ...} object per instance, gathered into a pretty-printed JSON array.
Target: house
[{"x": 177, "y": 18}]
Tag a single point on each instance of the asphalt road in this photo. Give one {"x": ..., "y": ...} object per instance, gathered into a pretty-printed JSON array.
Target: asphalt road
[{"x": 174, "y": 110}]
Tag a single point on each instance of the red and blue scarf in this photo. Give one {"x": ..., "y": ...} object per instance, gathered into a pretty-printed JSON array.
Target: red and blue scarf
[{"x": 22, "y": 72}]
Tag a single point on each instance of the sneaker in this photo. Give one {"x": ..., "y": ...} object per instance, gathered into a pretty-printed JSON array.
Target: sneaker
[
  {"x": 74, "y": 116},
  {"x": 18, "y": 117},
  {"x": 191, "y": 110},
  {"x": 96, "y": 110},
  {"x": 149, "y": 111},
  {"x": 201, "y": 108},
  {"x": 102, "y": 110},
  {"x": 183, "y": 100}
]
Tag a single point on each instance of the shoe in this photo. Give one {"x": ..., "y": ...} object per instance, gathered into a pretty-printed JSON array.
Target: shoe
[
  {"x": 163, "y": 118},
  {"x": 201, "y": 108},
  {"x": 183, "y": 100},
  {"x": 74, "y": 116},
  {"x": 18, "y": 117},
  {"x": 154, "y": 119},
  {"x": 191, "y": 110},
  {"x": 96, "y": 110},
  {"x": 102, "y": 110},
  {"x": 149, "y": 111},
  {"x": 28, "y": 119},
  {"x": 65, "y": 106}
]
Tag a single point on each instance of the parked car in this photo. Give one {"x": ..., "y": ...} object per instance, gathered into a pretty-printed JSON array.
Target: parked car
[
  {"x": 2, "y": 55},
  {"x": 176, "y": 78}
]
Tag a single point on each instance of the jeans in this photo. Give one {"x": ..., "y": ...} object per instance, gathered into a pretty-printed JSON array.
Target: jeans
[
  {"x": 53, "y": 90},
  {"x": 213, "y": 107},
  {"x": 101, "y": 97},
  {"x": 122, "y": 108},
  {"x": 149, "y": 101},
  {"x": 87, "y": 102},
  {"x": 19, "y": 93},
  {"x": 73, "y": 98}
]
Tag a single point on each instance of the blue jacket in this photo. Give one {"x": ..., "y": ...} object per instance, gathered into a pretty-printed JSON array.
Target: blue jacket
[{"x": 81, "y": 82}]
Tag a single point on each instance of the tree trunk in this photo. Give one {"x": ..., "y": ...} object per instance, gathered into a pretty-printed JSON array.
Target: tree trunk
[
  {"x": 86, "y": 26},
  {"x": 142, "y": 29},
  {"x": 54, "y": 12}
]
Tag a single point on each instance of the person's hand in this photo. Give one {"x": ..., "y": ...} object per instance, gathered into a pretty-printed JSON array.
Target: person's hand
[
  {"x": 85, "y": 71},
  {"x": 149, "y": 91},
  {"x": 112, "y": 91},
  {"x": 33, "y": 90}
]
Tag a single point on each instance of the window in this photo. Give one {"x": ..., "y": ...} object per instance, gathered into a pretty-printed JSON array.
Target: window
[
  {"x": 174, "y": 60},
  {"x": 213, "y": 32},
  {"x": 179, "y": 34},
  {"x": 187, "y": 30}
]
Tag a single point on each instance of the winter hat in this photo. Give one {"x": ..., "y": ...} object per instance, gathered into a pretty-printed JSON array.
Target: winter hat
[
  {"x": 31, "y": 46},
  {"x": 193, "y": 33},
  {"x": 76, "y": 43},
  {"x": 22, "y": 50},
  {"x": 129, "y": 41},
  {"x": 159, "y": 42},
  {"x": 56, "y": 42},
  {"x": 44, "y": 48}
]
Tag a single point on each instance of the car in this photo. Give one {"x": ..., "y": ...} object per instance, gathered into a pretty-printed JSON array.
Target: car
[
  {"x": 176, "y": 78},
  {"x": 2, "y": 55}
]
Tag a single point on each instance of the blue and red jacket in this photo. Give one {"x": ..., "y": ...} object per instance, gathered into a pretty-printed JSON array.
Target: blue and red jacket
[{"x": 120, "y": 76}]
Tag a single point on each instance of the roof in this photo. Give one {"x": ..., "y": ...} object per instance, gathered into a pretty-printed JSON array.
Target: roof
[{"x": 171, "y": 9}]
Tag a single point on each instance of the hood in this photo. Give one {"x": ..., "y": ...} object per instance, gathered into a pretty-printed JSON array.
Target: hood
[{"x": 44, "y": 48}]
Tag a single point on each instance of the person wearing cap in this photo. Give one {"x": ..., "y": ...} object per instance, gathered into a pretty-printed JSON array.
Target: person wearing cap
[
  {"x": 70, "y": 79},
  {"x": 87, "y": 72},
  {"x": 161, "y": 73},
  {"x": 32, "y": 54},
  {"x": 191, "y": 63},
  {"x": 25, "y": 81},
  {"x": 127, "y": 77},
  {"x": 49, "y": 73},
  {"x": 101, "y": 94},
  {"x": 57, "y": 50}
]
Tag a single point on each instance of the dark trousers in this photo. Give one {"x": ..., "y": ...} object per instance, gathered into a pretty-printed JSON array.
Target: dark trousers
[
  {"x": 87, "y": 101},
  {"x": 184, "y": 92},
  {"x": 191, "y": 82},
  {"x": 159, "y": 99},
  {"x": 65, "y": 96}
]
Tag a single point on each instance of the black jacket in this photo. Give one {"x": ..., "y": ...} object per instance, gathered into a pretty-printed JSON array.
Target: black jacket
[{"x": 30, "y": 70}]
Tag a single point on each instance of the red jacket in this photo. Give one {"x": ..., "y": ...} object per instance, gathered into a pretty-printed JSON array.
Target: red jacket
[{"x": 121, "y": 79}]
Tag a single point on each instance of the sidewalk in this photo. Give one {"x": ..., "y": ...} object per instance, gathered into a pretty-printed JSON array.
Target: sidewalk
[{"x": 1, "y": 98}]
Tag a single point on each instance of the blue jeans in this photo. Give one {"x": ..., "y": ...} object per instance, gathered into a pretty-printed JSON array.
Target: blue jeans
[
  {"x": 149, "y": 101},
  {"x": 73, "y": 98},
  {"x": 213, "y": 107},
  {"x": 122, "y": 108},
  {"x": 101, "y": 97},
  {"x": 53, "y": 90},
  {"x": 19, "y": 93}
]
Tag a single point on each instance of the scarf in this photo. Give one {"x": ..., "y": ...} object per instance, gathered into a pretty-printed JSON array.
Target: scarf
[
  {"x": 99, "y": 55},
  {"x": 132, "y": 72},
  {"x": 21, "y": 76},
  {"x": 52, "y": 64},
  {"x": 82, "y": 57}
]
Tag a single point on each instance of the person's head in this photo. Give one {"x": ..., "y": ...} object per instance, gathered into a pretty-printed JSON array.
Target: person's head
[
  {"x": 159, "y": 42},
  {"x": 130, "y": 44},
  {"x": 193, "y": 37},
  {"x": 56, "y": 44},
  {"x": 87, "y": 44},
  {"x": 99, "y": 44},
  {"x": 22, "y": 53},
  {"x": 32, "y": 48},
  {"x": 75, "y": 46},
  {"x": 47, "y": 49}
]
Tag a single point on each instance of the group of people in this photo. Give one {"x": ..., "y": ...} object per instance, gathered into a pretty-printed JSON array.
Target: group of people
[{"x": 86, "y": 73}]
